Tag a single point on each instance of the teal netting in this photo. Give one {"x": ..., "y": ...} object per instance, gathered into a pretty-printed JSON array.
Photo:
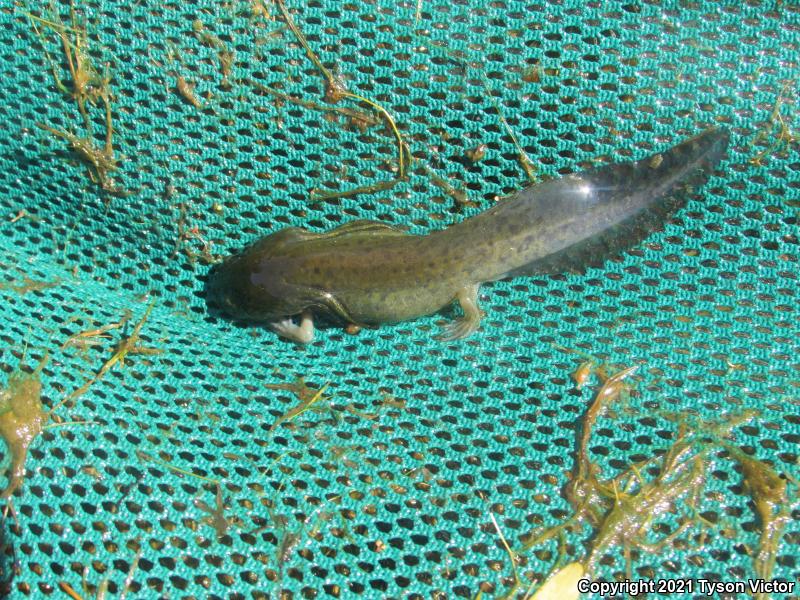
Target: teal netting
[{"x": 387, "y": 486}]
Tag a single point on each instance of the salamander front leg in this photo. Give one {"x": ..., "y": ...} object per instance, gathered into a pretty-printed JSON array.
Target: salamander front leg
[
  {"x": 462, "y": 327},
  {"x": 302, "y": 334}
]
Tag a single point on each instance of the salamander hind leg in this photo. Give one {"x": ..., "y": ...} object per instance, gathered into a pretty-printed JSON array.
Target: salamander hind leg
[
  {"x": 462, "y": 327},
  {"x": 302, "y": 334}
]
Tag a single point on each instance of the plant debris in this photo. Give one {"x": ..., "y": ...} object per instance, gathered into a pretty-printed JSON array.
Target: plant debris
[
  {"x": 101, "y": 589},
  {"x": 335, "y": 91},
  {"x": 775, "y": 134},
  {"x": 522, "y": 157},
  {"x": 225, "y": 56},
  {"x": 185, "y": 90},
  {"x": 359, "y": 119},
  {"x": 192, "y": 236},
  {"x": 459, "y": 196},
  {"x": 21, "y": 420},
  {"x": 28, "y": 285},
  {"x": 216, "y": 515},
  {"x": 86, "y": 338},
  {"x": 335, "y": 88},
  {"x": 623, "y": 510},
  {"x": 99, "y": 162},
  {"x": 769, "y": 493},
  {"x": 88, "y": 87},
  {"x": 308, "y": 396},
  {"x": 145, "y": 457},
  {"x": 127, "y": 345},
  {"x": 476, "y": 153}
]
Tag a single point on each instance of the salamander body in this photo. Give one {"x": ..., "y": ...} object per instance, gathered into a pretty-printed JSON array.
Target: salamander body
[{"x": 369, "y": 273}]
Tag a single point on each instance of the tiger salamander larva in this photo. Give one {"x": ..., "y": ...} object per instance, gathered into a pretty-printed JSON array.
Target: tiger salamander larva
[{"x": 368, "y": 273}]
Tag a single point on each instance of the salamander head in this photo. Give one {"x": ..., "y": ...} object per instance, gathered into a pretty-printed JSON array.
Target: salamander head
[{"x": 252, "y": 285}]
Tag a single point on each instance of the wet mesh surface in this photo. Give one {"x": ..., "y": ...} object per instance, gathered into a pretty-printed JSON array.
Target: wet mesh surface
[{"x": 387, "y": 488}]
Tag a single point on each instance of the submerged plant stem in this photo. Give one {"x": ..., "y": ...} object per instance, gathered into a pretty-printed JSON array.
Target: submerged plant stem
[
  {"x": 346, "y": 112},
  {"x": 335, "y": 90},
  {"x": 524, "y": 160},
  {"x": 334, "y": 87}
]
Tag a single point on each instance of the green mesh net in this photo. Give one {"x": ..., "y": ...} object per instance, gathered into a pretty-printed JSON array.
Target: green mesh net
[{"x": 187, "y": 468}]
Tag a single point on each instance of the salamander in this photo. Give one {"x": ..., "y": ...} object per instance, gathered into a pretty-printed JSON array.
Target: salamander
[{"x": 367, "y": 273}]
